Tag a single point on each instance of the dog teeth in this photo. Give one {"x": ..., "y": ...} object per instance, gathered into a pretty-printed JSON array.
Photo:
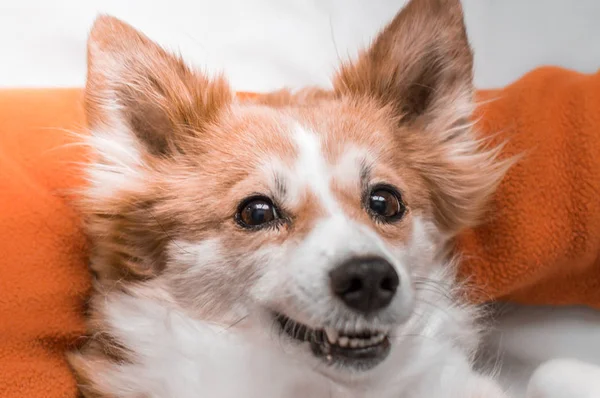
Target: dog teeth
[
  {"x": 332, "y": 335},
  {"x": 374, "y": 340},
  {"x": 335, "y": 337}
]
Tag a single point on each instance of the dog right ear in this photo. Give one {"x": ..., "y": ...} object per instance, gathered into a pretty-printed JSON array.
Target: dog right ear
[{"x": 141, "y": 100}]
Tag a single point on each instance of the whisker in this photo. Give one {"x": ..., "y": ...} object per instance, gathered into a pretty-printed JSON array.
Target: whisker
[
  {"x": 237, "y": 322},
  {"x": 166, "y": 234}
]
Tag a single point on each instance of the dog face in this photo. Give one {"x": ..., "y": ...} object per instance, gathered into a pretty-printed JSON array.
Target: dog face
[{"x": 312, "y": 213}]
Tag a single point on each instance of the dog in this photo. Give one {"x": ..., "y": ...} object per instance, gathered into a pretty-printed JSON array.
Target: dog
[{"x": 293, "y": 245}]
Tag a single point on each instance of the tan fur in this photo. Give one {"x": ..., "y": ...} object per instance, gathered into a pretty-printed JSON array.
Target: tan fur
[
  {"x": 420, "y": 64},
  {"x": 200, "y": 149}
]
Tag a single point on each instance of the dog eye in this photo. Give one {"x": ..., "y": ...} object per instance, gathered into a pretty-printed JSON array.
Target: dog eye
[
  {"x": 255, "y": 212},
  {"x": 386, "y": 203}
]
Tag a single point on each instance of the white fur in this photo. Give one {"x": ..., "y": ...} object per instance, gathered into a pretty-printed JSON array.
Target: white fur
[
  {"x": 348, "y": 168},
  {"x": 311, "y": 169},
  {"x": 178, "y": 355},
  {"x": 119, "y": 162}
]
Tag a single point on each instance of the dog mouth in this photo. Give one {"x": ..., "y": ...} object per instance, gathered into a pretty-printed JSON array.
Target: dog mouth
[{"x": 360, "y": 350}]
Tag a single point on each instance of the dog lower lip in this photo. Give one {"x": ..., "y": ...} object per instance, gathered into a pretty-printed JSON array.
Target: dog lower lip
[{"x": 360, "y": 351}]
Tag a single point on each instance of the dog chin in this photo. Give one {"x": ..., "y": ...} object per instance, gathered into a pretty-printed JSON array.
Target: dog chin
[{"x": 347, "y": 351}]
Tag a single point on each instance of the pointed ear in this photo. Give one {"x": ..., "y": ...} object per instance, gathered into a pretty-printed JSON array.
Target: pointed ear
[
  {"x": 142, "y": 98},
  {"x": 421, "y": 64}
]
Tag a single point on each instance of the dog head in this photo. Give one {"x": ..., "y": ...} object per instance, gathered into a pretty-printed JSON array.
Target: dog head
[{"x": 313, "y": 212}]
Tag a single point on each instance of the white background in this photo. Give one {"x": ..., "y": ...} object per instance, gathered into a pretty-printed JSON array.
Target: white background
[{"x": 266, "y": 44}]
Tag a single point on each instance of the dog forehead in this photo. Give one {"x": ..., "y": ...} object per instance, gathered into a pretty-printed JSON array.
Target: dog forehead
[
  {"x": 315, "y": 167},
  {"x": 264, "y": 134},
  {"x": 333, "y": 134},
  {"x": 299, "y": 154},
  {"x": 319, "y": 157}
]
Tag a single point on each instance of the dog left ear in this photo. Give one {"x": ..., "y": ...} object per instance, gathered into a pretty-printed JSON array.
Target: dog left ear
[
  {"x": 421, "y": 64},
  {"x": 421, "y": 67}
]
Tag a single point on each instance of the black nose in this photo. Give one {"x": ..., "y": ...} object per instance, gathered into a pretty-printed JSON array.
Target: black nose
[{"x": 365, "y": 284}]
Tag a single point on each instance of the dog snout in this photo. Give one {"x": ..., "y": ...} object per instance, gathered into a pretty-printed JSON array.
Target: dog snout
[{"x": 364, "y": 284}]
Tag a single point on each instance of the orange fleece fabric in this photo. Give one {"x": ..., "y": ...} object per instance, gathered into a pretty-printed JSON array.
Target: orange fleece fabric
[
  {"x": 541, "y": 244},
  {"x": 43, "y": 276}
]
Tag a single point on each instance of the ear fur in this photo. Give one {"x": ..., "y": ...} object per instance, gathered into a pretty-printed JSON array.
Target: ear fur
[
  {"x": 420, "y": 64},
  {"x": 148, "y": 97},
  {"x": 144, "y": 108},
  {"x": 421, "y": 67}
]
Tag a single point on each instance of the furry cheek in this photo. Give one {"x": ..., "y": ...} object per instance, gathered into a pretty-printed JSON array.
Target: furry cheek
[{"x": 206, "y": 280}]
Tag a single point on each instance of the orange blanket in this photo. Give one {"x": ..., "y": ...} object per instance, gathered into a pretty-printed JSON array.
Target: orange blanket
[
  {"x": 43, "y": 276},
  {"x": 541, "y": 244}
]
